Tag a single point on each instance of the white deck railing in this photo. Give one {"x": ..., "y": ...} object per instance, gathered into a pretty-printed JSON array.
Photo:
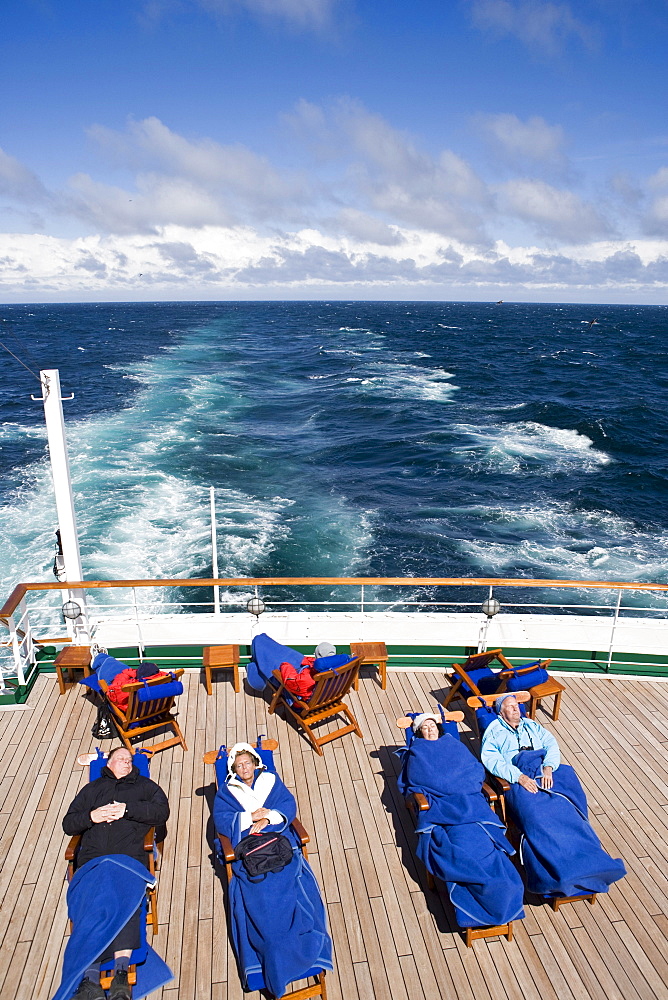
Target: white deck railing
[{"x": 42, "y": 622}]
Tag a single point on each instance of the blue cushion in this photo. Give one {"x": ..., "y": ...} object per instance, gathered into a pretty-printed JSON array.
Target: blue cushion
[
  {"x": 331, "y": 662},
  {"x": 92, "y": 682},
  {"x": 485, "y": 679},
  {"x": 484, "y": 715},
  {"x": 526, "y": 681},
  {"x": 140, "y": 760},
  {"x": 108, "y": 668},
  {"x": 168, "y": 690}
]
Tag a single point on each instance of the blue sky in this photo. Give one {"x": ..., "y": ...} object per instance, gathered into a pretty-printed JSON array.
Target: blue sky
[{"x": 225, "y": 149}]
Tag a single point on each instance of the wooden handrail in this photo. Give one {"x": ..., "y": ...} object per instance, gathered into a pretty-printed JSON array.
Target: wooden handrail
[{"x": 352, "y": 581}]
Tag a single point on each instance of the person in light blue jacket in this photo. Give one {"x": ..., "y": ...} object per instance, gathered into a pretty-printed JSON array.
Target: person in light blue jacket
[
  {"x": 511, "y": 733},
  {"x": 560, "y": 851}
]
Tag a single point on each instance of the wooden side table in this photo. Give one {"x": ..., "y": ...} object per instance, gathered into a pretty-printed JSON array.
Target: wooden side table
[
  {"x": 371, "y": 653},
  {"x": 549, "y": 687},
  {"x": 221, "y": 658},
  {"x": 69, "y": 659}
]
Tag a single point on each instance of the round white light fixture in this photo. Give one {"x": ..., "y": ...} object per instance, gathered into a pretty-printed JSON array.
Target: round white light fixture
[
  {"x": 490, "y": 607},
  {"x": 71, "y": 610},
  {"x": 255, "y": 606}
]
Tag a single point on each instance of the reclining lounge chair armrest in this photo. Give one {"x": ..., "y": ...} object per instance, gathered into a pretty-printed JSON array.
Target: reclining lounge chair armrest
[
  {"x": 148, "y": 839},
  {"x": 519, "y": 671},
  {"x": 296, "y": 700},
  {"x": 71, "y": 849},
  {"x": 301, "y": 832},
  {"x": 491, "y": 794},
  {"x": 226, "y": 847},
  {"x": 417, "y": 802},
  {"x": 499, "y": 785}
]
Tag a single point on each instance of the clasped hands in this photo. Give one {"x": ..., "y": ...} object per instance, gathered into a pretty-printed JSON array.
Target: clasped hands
[
  {"x": 260, "y": 819},
  {"x": 546, "y": 781},
  {"x": 108, "y": 813}
]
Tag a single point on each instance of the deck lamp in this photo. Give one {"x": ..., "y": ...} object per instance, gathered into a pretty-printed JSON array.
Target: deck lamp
[
  {"x": 490, "y": 607},
  {"x": 255, "y": 606},
  {"x": 71, "y": 610}
]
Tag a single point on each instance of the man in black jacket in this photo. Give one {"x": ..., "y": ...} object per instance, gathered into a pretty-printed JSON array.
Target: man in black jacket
[{"x": 113, "y": 814}]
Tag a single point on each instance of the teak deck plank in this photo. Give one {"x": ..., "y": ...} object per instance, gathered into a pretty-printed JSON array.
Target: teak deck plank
[{"x": 392, "y": 937}]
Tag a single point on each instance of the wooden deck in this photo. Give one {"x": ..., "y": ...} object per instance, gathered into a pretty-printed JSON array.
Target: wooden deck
[{"x": 392, "y": 938}]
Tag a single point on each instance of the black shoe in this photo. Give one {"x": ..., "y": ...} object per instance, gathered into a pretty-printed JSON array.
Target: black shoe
[
  {"x": 120, "y": 989},
  {"x": 88, "y": 990}
]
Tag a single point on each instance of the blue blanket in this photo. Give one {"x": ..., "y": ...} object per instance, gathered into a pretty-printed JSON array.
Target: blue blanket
[
  {"x": 460, "y": 840},
  {"x": 279, "y": 930},
  {"x": 560, "y": 851},
  {"x": 101, "y": 898},
  {"x": 266, "y": 656}
]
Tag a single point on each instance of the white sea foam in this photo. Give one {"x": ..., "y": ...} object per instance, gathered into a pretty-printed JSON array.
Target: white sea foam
[
  {"x": 522, "y": 447},
  {"x": 405, "y": 381},
  {"x": 14, "y": 432},
  {"x": 143, "y": 511},
  {"x": 556, "y": 540}
]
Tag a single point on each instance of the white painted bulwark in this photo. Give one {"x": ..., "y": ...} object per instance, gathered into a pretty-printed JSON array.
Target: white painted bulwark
[{"x": 647, "y": 636}]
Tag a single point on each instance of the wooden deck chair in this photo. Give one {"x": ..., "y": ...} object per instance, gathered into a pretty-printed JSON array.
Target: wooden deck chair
[
  {"x": 265, "y": 749},
  {"x": 416, "y": 803},
  {"x": 371, "y": 654},
  {"x": 150, "y": 705},
  {"x": 501, "y": 786},
  {"x": 326, "y": 702},
  {"x": 466, "y": 677},
  {"x": 96, "y": 762},
  {"x": 475, "y": 677}
]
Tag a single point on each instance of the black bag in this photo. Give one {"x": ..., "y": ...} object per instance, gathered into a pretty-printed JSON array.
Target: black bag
[
  {"x": 103, "y": 728},
  {"x": 262, "y": 853}
]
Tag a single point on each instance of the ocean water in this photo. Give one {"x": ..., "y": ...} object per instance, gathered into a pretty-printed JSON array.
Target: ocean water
[{"x": 384, "y": 439}]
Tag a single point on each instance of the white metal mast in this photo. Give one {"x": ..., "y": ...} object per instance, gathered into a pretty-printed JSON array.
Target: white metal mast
[{"x": 62, "y": 482}]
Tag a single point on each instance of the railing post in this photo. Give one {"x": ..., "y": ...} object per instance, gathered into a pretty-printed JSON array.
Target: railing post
[
  {"x": 214, "y": 551},
  {"x": 16, "y": 648},
  {"x": 362, "y": 599},
  {"x": 140, "y": 642},
  {"x": 612, "y": 631}
]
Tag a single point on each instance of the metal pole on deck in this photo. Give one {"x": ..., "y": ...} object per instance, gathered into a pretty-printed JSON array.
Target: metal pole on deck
[
  {"x": 612, "y": 630},
  {"x": 62, "y": 483},
  {"x": 214, "y": 551}
]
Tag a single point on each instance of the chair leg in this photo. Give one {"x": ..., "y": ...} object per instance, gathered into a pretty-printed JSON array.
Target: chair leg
[
  {"x": 235, "y": 678},
  {"x": 177, "y": 732},
  {"x": 382, "y": 668},
  {"x": 311, "y": 735},
  {"x": 353, "y": 721},
  {"x": 557, "y": 705},
  {"x": 274, "y": 700},
  {"x": 207, "y": 680},
  {"x": 152, "y": 915}
]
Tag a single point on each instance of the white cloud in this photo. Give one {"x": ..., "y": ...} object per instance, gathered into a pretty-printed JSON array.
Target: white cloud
[
  {"x": 518, "y": 141},
  {"x": 656, "y": 218},
  {"x": 376, "y": 214},
  {"x": 556, "y": 213},
  {"x": 390, "y": 175},
  {"x": 537, "y": 23},
  {"x": 303, "y": 14},
  {"x": 219, "y": 263},
  {"x": 17, "y": 181}
]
